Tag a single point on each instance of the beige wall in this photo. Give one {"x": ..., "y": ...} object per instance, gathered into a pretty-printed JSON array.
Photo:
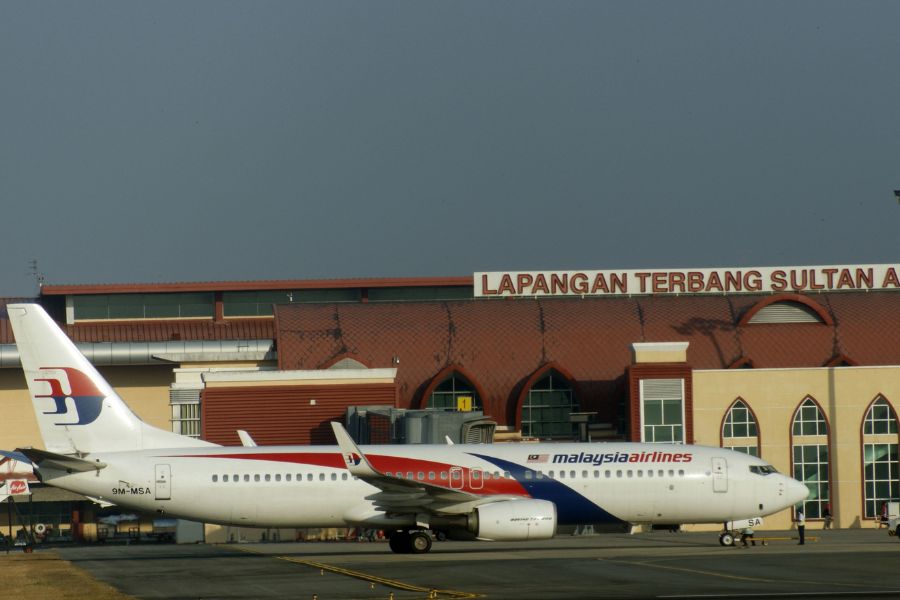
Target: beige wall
[
  {"x": 844, "y": 394},
  {"x": 18, "y": 426},
  {"x": 145, "y": 389}
]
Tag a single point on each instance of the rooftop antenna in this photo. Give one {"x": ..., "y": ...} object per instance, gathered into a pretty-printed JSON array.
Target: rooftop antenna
[{"x": 35, "y": 272}]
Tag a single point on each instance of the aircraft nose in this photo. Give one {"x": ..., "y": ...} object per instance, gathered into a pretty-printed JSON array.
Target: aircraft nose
[{"x": 795, "y": 491}]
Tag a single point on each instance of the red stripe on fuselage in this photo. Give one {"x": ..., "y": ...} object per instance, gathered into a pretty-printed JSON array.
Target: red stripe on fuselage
[{"x": 397, "y": 466}]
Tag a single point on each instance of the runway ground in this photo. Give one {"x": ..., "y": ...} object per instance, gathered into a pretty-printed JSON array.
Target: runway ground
[{"x": 840, "y": 564}]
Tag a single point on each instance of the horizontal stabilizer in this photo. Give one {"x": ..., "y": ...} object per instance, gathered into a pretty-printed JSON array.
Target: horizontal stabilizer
[
  {"x": 103, "y": 503},
  {"x": 43, "y": 459}
]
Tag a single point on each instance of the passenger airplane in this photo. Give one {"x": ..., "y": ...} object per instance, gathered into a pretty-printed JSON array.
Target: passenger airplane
[{"x": 97, "y": 447}]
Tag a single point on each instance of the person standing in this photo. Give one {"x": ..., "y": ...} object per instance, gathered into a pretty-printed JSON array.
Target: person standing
[
  {"x": 801, "y": 525},
  {"x": 747, "y": 534},
  {"x": 827, "y": 515}
]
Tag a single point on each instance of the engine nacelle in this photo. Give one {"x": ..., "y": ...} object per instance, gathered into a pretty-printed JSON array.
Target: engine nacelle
[{"x": 514, "y": 520}]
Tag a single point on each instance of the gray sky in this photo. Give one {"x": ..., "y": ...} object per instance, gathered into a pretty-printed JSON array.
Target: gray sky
[{"x": 211, "y": 140}]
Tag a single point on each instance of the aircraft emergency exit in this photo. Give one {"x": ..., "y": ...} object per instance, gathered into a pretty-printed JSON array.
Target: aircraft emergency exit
[{"x": 96, "y": 446}]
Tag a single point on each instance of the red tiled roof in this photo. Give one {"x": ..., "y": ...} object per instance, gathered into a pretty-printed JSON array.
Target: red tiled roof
[
  {"x": 162, "y": 331},
  {"x": 501, "y": 342}
]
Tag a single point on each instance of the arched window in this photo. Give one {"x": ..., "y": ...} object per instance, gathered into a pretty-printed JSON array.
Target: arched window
[
  {"x": 881, "y": 481},
  {"x": 810, "y": 456},
  {"x": 809, "y": 420},
  {"x": 546, "y": 409},
  {"x": 880, "y": 419},
  {"x": 739, "y": 429},
  {"x": 455, "y": 393}
]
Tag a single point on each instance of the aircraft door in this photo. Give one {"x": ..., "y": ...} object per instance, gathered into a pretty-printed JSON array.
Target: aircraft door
[
  {"x": 476, "y": 479},
  {"x": 720, "y": 474},
  {"x": 163, "y": 482},
  {"x": 456, "y": 478}
]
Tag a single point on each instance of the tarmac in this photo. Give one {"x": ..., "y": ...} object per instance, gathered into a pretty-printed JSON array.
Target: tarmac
[{"x": 854, "y": 563}]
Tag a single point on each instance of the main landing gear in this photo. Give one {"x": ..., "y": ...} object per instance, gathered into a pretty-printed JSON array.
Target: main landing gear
[{"x": 410, "y": 542}]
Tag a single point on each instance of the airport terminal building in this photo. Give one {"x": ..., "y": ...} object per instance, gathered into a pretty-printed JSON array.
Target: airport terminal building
[{"x": 798, "y": 365}]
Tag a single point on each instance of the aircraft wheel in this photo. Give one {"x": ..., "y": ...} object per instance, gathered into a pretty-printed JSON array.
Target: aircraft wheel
[
  {"x": 400, "y": 542},
  {"x": 726, "y": 539},
  {"x": 419, "y": 542}
]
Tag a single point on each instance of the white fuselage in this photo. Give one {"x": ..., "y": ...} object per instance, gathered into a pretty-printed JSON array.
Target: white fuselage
[{"x": 310, "y": 486}]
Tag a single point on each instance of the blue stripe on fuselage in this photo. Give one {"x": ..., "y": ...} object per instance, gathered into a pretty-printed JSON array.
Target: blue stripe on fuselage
[{"x": 571, "y": 507}]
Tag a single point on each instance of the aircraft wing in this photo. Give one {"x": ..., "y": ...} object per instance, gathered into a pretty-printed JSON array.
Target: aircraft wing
[{"x": 398, "y": 495}]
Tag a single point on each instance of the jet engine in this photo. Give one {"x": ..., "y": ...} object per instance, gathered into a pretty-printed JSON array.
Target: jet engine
[{"x": 514, "y": 520}]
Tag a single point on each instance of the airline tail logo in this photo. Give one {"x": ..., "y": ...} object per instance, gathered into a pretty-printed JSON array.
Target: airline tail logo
[
  {"x": 352, "y": 459},
  {"x": 18, "y": 487},
  {"x": 83, "y": 395}
]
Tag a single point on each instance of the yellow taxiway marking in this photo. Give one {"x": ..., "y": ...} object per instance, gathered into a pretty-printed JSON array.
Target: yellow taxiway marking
[
  {"x": 400, "y": 585},
  {"x": 685, "y": 569},
  {"x": 728, "y": 576}
]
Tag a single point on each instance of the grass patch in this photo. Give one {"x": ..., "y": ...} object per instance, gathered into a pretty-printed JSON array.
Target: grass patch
[{"x": 43, "y": 575}]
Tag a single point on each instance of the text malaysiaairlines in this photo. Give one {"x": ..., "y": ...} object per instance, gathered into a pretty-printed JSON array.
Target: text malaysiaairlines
[{"x": 612, "y": 457}]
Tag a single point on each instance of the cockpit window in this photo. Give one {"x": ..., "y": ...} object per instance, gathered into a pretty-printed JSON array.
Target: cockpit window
[{"x": 763, "y": 469}]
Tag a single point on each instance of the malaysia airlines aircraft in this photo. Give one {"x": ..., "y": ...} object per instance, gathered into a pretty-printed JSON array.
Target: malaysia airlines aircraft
[{"x": 97, "y": 447}]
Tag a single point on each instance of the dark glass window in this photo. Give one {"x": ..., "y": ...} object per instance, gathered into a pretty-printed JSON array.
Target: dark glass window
[
  {"x": 451, "y": 394},
  {"x": 546, "y": 410},
  {"x": 144, "y": 306}
]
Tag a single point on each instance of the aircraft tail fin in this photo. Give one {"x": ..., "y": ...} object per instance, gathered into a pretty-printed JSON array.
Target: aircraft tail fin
[{"x": 76, "y": 409}]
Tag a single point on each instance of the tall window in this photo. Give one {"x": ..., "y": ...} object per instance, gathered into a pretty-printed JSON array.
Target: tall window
[
  {"x": 882, "y": 483},
  {"x": 455, "y": 393},
  {"x": 546, "y": 409},
  {"x": 810, "y": 456},
  {"x": 739, "y": 430},
  {"x": 185, "y": 404},
  {"x": 662, "y": 410}
]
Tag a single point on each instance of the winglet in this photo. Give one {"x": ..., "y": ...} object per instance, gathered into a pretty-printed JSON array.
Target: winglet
[
  {"x": 246, "y": 440},
  {"x": 356, "y": 461}
]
